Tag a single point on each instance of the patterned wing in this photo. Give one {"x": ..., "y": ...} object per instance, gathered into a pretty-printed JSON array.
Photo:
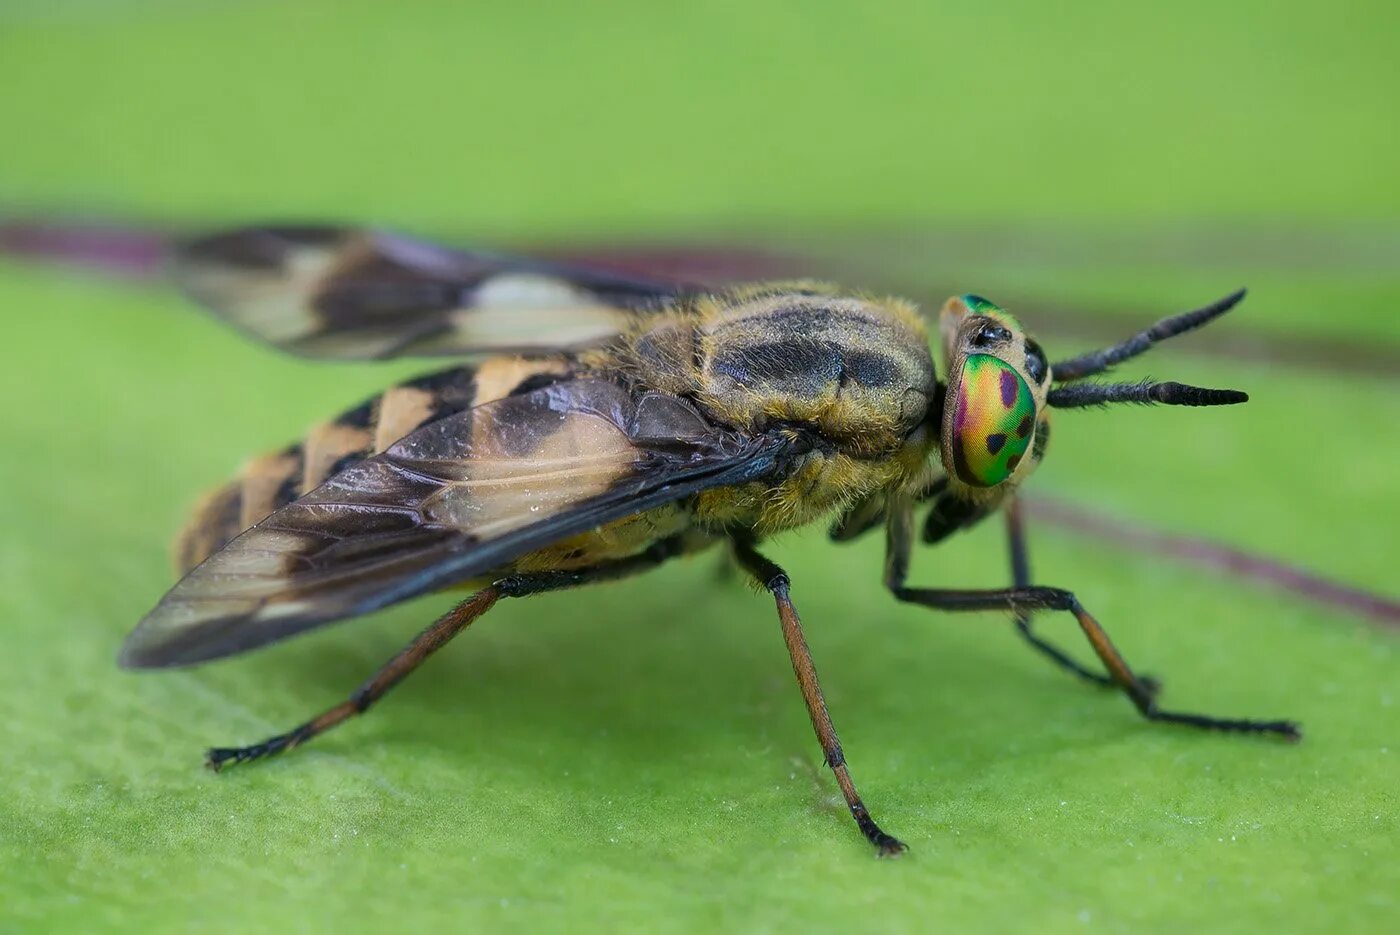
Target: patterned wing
[
  {"x": 351, "y": 294},
  {"x": 458, "y": 498}
]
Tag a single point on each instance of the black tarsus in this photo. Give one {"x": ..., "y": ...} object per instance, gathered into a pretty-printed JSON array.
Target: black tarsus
[
  {"x": 1146, "y": 392},
  {"x": 1086, "y": 365},
  {"x": 1139, "y": 692},
  {"x": 436, "y": 636},
  {"x": 1018, "y": 600},
  {"x": 431, "y": 640}
]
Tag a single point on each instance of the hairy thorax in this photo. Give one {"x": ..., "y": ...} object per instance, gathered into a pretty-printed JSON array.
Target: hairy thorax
[{"x": 852, "y": 374}]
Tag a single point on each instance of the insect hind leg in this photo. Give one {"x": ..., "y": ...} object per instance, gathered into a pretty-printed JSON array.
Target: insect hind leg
[
  {"x": 430, "y": 641},
  {"x": 394, "y": 671}
]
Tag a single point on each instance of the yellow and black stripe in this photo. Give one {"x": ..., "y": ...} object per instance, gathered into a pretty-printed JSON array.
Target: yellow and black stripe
[{"x": 272, "y": 481}]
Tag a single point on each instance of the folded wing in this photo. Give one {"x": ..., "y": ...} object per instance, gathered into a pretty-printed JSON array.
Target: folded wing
[
  {"x": 459, "y": 498},
  {"x": 346, "y": 293}
]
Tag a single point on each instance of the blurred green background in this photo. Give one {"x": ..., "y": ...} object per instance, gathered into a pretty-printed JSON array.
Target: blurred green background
[{"x": 635, "y": 756}]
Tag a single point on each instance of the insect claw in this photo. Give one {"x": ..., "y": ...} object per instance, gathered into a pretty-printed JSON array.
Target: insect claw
[
  {"x": 216, "y": 758},
  {"x": 890, "y": 847}
]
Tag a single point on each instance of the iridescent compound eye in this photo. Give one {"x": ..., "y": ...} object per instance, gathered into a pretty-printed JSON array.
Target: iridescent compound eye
[
  {"x": 980, "y": 306},
  {"x": 993, "y": 421}
]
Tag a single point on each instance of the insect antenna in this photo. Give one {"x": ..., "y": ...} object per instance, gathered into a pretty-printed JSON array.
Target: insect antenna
[
  {"x": 1145, "y": 392},
  {"x": 1086, "y": 365}
]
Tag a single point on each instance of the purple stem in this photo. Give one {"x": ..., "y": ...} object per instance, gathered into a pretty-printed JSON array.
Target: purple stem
[
  {"x": 1216, "y": 557},
  {"x": 129, "y": 252}
]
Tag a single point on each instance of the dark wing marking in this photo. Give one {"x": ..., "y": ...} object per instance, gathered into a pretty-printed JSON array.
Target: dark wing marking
[
  {"x": 350, "y": 294},
  {"x": 460, "y": 497}
]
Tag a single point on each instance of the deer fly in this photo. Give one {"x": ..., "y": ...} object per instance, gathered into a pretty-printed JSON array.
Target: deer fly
[{"x": 605, "y": 424}]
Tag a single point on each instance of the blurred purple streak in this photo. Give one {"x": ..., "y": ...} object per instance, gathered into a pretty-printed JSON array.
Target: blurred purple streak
[
  {"x": 128, "y": 252},
  {"x": 1222, "y": 559},
  {"x": 136, "y": 253}
]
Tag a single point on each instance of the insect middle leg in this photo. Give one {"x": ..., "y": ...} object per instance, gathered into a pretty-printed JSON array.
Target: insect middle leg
[
  {"x": 1019, "y": 554},
  {"x": 430, "y": 641},
  {"x": 1020, "y": 599},
  {"x": 775, "y": 580}
]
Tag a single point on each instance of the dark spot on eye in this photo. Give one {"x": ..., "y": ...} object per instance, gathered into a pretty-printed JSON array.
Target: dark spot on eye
[
  {"x": 1012, "y": 463},
  {"x": 995, "y": 442},
  {"x": 1035, "y": 362},
  {"x": 1024, "y": 428},
  {"x": 989, "y": 334},
  {"x": 1008, "y": 389}
]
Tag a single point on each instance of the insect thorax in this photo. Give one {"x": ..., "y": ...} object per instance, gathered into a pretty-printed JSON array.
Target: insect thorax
[{"x": 855, "y": 374}]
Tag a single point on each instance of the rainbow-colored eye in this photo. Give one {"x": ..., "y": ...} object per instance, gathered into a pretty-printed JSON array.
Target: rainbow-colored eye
[
  {"x": 987, "y": 308},
  {"x": 993, "y": 422}
]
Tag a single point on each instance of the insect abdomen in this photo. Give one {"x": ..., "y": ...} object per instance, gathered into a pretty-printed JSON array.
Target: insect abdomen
[{"x": 272, "y": 481}]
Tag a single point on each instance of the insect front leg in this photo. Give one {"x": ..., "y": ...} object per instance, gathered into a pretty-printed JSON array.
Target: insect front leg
[
  {"x": 775, "y": 580},
  {"x": 950, "y": 513},
  {"x": 430, "y": 641},
  {"x": 1025, "y": 597}
]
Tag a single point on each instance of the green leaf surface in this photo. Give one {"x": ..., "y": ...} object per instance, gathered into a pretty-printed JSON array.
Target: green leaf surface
[{"x": 636, "y": 756}]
